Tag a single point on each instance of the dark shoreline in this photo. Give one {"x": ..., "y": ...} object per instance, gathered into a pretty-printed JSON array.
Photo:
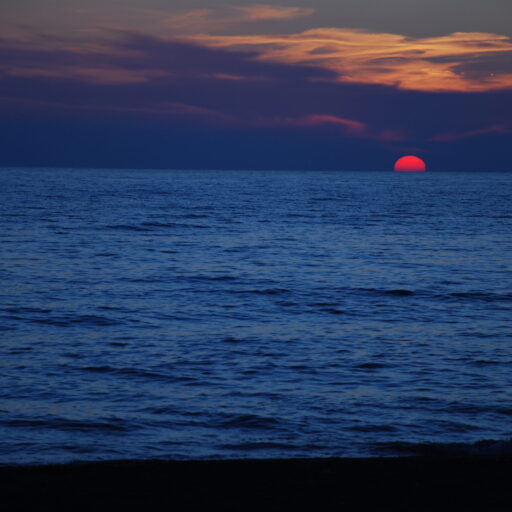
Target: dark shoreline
[{"x": 410, "y": 483}]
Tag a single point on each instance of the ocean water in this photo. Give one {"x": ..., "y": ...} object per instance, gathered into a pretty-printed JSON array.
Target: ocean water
[{"x": 230, "y": 314}]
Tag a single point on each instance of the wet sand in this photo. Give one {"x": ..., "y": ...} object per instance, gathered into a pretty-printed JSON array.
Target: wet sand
[{"x": 413, "y": 483}]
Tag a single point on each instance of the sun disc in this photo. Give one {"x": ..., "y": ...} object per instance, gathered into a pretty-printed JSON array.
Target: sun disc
[{"x": 410, "y": 163}]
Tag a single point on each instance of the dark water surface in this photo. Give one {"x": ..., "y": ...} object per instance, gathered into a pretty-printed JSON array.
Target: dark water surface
[{"x": 198, "y": 314}]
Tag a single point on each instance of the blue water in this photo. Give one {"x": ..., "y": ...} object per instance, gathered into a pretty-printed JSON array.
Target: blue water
[{"x": 205, "y": 314}]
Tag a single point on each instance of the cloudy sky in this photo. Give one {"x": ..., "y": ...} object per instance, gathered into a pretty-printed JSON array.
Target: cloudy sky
[{"x": 350, "y": 84}]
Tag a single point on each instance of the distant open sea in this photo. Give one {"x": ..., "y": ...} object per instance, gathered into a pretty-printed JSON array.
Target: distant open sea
[{"x": 231, "y": 314}]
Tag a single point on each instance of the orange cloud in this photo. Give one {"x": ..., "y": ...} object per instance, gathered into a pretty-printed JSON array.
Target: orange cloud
[
  {"x": 422, "y": 64},
  {"x": 458, "y": 62}
]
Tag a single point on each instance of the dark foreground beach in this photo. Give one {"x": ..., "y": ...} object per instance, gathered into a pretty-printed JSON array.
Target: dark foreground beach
[{"x": 450, "y": 483}]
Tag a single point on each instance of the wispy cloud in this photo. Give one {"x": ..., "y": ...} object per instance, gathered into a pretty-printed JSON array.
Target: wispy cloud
[
  {"x": 323, "y": 119},
  {"x": 350, "y": 127},
  {"x": 457, "y": 62},
  {"x": 453, "y": 136},
  {"x": 215, "y": 20},
  {"x": 105, "y": 76},
  {"x": 356, "y": 56},
  {"x": 166, "y": 109},
  {"x": 271, "y": 12},
  {"x": 342, "y": 83}
]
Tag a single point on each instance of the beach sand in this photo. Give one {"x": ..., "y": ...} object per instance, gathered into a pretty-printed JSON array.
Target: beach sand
[{"x": 408, "y": 483}]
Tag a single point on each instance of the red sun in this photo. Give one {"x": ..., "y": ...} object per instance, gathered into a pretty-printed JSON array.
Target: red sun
[{"x": 410, "y": 163}]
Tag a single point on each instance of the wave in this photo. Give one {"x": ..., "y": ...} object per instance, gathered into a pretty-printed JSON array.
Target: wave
[
  {"x": 173, "y": 225},
  {"x": 66, "y": 321},
  {"x": 485, "y": 296},
  {"x": 195, "y": 216},
  {"x": 433, "y": 293},
  {"x": 147, "y": 226},
  {"x": 399, "y": 292},
  {"x": 212, "y": 278},
  {"x": 130, "y": 372},
  {"x": 108, "y": 424},
  {"x": 231, "y": 339},
  {"x": 24, "y": 309},
  {"x": 249, "y": 421},
  {"x": 127, "y": 227},
  {"x": 373, "y": 428},
  {"x": 483, "y": 447},
  {"x": 262, "y": 445},
  {"x": 334, "y": 311},
  {"x": 371, "y": 366},
  {"x": 488, "y": 362},
  {"x": 268, "y": 291}
]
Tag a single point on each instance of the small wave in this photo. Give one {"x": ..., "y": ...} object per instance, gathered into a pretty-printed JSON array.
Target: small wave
[
  {"x": 258, "y": 446},
  {"x": 249, "y": 421},
  {"x": 399, "y": 292},
  {"x": 173, "y": 225},
  {"x": 113, "y": 425},
  {"x": 210, "y": 278},
  {"x": 268, "y": 291},
  {"x": 160, "y": 410},
  {"x": 373, "y": 428},
  {"x": 334, "y": 311},
  {"x": 478, "y": 409},
  {"x": 82, "y": 319},
  {"x": 230, "y": 339},
  {"x": 160, "y": 224},
  {"x": 98, "y": 369},
  {"x": 485, "y": 296},
  {"x": 484, "y": 447},
  {"x": 127, "y": 227},
  {"x": 23, "y": 309},
  {"x": 233, "y": 249},
  {"x": 371, "y": 366},
  {"x": 157, "y": 279},
  {"x": 473, "y": 295},
  {"x": 487, "y": 362},
  {"x": 130, "y": 372}
]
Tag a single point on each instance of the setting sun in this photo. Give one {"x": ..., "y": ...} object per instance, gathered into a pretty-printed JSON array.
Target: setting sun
[{"x": 410, "y": 163}]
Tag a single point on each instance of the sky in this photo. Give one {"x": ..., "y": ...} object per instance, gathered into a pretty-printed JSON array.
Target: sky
[{"x": 288, "y": 84}]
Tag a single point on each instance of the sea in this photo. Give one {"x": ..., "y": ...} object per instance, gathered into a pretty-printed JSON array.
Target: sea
[{"x": 177, "y": 314}]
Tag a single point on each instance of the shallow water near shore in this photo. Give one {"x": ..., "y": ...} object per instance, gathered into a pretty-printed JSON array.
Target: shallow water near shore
[{"x": 231, "y": 314}]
